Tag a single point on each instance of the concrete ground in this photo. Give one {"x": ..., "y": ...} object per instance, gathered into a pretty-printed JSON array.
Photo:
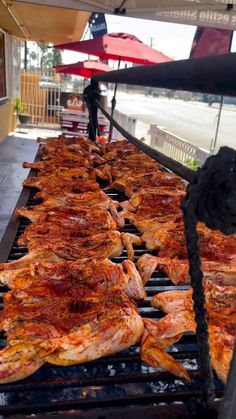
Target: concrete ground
[{"x": 19, "y": 146}]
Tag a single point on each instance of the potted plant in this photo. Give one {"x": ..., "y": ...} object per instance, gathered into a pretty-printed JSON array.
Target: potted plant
[{"x": 19, "y": 110}]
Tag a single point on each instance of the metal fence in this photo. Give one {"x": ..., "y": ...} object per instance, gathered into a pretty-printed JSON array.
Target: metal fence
[
  {"x": 176, "y": 147},
  {"x": 40, "y": 94}
]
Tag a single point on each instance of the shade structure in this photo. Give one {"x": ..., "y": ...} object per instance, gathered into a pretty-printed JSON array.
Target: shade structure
[
  {"x": 118, "y": 46},
  {"x": 87, "y": 68},
  {"x": 209, "y": 13}
]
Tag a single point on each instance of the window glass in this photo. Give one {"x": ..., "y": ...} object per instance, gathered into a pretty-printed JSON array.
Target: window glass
[{"x": 3, "y": 92}]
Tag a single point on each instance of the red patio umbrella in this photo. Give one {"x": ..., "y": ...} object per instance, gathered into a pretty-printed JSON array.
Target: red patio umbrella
[
  {"x": 87, "y": 68},
  {"x": 118, "y": 46}
]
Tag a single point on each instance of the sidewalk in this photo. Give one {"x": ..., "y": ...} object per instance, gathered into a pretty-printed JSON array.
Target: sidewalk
[
  {"x": 32, "y": 133},
  {"x": 18, "y": 147}
]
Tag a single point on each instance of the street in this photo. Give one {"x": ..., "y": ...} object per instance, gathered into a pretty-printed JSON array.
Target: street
[{"x": 193, "y": 121}]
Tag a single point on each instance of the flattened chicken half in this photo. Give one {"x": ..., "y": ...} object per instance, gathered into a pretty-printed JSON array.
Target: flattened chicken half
[
  {"x": 50, "y": 249},
  {"x": 177, "y": 270},
  {"x": 68, "y": 199},
  {"x": 221, "y": 310},
  {"x": 53, "y": 186},
  {"x": 65, "y": 331},
  {"x": 75, "y": 221},
  {"x": 95, "y": 217},
  {"x": 65, "y": 278},
  {"x": 129, "y": 184}
]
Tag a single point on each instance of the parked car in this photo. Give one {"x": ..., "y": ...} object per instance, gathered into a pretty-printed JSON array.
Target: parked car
[{"x": 47, "y": 81}]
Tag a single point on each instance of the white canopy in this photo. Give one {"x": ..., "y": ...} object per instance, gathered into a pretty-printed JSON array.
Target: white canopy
[{"x": 212, "y": 13}]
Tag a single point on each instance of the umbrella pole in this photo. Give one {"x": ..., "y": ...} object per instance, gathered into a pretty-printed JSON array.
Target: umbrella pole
[{"x": 113, "y": 105}]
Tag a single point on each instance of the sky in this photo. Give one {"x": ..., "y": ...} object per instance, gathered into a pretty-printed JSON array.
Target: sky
[{"x": 172, "y": 39}]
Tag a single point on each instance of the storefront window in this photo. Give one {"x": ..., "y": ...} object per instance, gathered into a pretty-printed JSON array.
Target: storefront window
[{"x": 3, "y": 90}]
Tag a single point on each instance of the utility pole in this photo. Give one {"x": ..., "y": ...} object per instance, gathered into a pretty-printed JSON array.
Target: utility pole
[{"x": 151, "y": 40}]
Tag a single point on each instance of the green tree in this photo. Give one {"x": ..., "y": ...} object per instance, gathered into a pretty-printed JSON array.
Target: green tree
[
  {"x": 57, "y": 57},
  {"x": 49, "y": 57},
  {"x": 44, "y": 50}
]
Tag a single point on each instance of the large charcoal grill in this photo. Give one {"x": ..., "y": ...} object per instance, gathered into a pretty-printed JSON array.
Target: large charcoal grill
[{"x": 118, "y": 383}]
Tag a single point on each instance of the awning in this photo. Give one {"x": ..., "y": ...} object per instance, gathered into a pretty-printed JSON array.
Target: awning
[
  {"x": 213, "y": 13},
  {"x": 42, "y": 23}
]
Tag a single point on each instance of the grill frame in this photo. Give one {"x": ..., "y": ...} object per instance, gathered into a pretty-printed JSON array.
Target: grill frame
[{"x": 151, "y": 403}]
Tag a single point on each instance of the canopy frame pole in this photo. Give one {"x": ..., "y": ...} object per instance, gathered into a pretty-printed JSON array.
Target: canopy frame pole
[
  {"x": 91, "y": 95},
  {"x": 214, "y": 140},
  {"x": 113, "y": 105}
]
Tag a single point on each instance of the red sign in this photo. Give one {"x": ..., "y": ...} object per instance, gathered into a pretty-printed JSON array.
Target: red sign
[{"x": 210, "y": 41}]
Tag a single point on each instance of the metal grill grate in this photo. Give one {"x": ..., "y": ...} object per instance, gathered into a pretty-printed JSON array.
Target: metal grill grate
[{"x": 114, "y": 381}]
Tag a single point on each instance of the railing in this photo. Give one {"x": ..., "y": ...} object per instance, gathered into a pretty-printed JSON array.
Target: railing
[
  {"x": 126, "y": 122},
  {"x": 176, "y": 147},
  {"x": 41, "y": 98}
]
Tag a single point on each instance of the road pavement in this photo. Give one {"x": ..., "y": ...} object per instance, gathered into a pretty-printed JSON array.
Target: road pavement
[{"x": 193, "y": 121}]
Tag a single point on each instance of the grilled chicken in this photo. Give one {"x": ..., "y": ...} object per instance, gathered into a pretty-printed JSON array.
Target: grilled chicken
[
  {"x": 219, "y": 299},
  {"x": 177, "y": 270},
  {"x": 129, "y": 184},
  {"x": 52, "y": 186},
  {"x": 221, "y": 310},
  {"x": 48, "y": 248},
  {"x": 50, "y": 167},
  {"x": 70, "y": 172},
  {"x": 57, "y": 142},
  {"x": 108, "y": 244},
  {"x": 155, "y": 237},
  {"x": 153, "y": 202},
  {"x": 153, "y": 353},
  {"x": 144, "y": 224},
  {"x": 84, "y": 218},
  {"x": 170, "y": 241},
  {"x": 64, "y": 331},
  {"x": 136, "y": 166},
  {"x": 31, "y": 257},
  {"x": 89, "y": 199},
  {"x": 213, "y": 245},
  {"x": 63, "y": 278},
  {"x": 120, "y": 146}
]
